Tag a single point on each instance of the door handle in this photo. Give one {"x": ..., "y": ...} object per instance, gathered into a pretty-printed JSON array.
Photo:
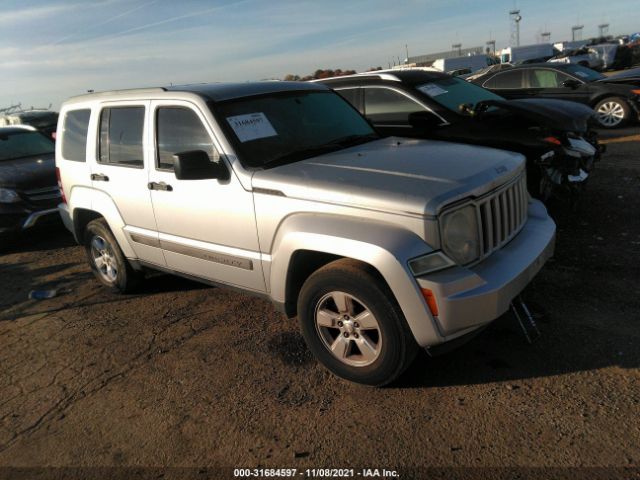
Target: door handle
[
  {"x": 160, "y": 186},
  {"x": 98, "y": 177}
]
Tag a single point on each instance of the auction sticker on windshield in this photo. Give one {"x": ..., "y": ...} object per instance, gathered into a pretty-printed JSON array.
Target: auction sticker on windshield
[
  {"x": 431, "y": 89},
  {"x": 251, "y": 126}
]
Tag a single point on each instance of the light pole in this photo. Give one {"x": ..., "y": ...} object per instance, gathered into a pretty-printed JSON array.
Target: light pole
[{"x": 517, "y": 18}]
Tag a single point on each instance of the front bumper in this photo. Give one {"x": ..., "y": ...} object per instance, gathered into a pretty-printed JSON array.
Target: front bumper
[
  {"x": 14, "y": 219},
  {"x": 469, "y": 298}
]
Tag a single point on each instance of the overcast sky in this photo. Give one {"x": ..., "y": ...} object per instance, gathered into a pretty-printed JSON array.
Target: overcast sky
[{"x": 50, "y": 50}]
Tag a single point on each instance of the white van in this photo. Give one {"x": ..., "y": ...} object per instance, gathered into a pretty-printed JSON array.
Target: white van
[
  {"x": 470, "y": 62},
  {"x": 517, "y": 55}
]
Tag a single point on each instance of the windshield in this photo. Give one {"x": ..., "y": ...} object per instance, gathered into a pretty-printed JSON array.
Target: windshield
[
  {"x": 453, "y": 92},
  {"x": 584, "y": 73},
  {"x": 290, "y": 126},
  {"x": 24, "y": 144}
]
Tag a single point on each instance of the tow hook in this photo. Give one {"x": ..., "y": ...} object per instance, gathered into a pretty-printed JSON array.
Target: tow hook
[{"x": 524, "y": 318}]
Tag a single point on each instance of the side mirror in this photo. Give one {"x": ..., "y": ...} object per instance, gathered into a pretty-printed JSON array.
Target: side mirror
[
  {"x": 423, "y": 120},
  {"x": 571, "y": 83},
  {"x": 196, "y": 165}
]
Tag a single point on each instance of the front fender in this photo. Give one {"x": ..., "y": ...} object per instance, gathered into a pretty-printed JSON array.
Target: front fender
[{"x": 384, "y": 246}]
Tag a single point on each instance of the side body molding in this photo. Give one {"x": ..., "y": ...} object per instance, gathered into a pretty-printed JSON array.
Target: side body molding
[{"x": 384, "y": 246}]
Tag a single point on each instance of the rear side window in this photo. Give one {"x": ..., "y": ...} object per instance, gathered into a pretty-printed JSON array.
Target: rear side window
[
  {"x": 508, "y": 79},
  {"x": 121, "y": 130},
  {"x": 386, "y": 106},
  {"x": 180, "y": 130},
  {"x": 74, "y": 135}
]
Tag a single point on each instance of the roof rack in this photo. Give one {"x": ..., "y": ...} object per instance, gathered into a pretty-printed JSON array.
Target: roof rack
[{"x": 123, "y": 91}]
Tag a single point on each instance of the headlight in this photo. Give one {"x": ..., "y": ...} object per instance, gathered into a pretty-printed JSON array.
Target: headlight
[
  {"x": 460, "y": 235},
  {"x": 8, "y": 196}
]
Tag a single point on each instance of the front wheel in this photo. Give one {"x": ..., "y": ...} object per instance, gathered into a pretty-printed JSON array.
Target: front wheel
[
  {"x": 612, "y": 112},
  {"x": 107, "y": 261},
  {"x": 353, "y": 325}
]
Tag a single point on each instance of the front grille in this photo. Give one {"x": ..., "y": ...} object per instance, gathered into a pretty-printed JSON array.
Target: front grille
[
  {"x": 501, "y": 215},
  {"x": 38, "y": 195}
]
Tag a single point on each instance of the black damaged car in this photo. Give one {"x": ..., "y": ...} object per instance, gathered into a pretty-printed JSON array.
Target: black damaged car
[
  {"x": 555, "y": 136},
  {"x": 29, "y": 192},
  {"x": 615, "y": 98}
]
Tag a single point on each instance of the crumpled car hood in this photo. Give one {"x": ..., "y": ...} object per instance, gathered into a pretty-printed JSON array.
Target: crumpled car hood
[{"x": 561, "y": 115}]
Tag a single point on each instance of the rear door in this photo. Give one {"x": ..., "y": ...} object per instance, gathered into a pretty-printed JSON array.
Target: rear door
[
  {"x": 119, "y": 170},
  {"x": 508, "y": 84}
]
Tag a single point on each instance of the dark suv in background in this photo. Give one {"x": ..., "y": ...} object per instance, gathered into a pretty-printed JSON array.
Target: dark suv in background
[
  {"x": 555, "y": 136},
  {"x": 29, "y": 192}
]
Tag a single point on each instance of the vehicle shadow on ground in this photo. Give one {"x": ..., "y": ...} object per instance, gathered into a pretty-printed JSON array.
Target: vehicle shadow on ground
[
  {"x": 502, "y": 354},
  {"x": 40, "y": 239}
]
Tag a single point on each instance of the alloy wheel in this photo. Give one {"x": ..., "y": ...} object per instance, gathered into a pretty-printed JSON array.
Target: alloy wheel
[
  {"x": 611, "y": 114},
  {"x": 348, "y": 329},
  {"x": 104, "y": 259}
]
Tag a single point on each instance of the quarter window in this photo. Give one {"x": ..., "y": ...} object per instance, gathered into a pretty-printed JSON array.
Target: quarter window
[
  {"x": 74, "y": 137},
  {"x": 508, "y": 79},
  {"x": 350, "y": 95},
  {"x": 121, "y": 130},
  {"x": 180, "y": 130},
  {"x": 386, "y": 106}
]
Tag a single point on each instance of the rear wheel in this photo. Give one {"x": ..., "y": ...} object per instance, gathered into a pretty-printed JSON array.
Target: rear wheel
[
  {"x": 107, "y": 260},
  {"x": 353, "y": 325},
  {"x": 612, "y": 112}
]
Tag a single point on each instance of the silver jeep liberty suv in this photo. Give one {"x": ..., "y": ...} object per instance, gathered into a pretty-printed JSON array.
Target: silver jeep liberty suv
[{"x": 378, "y": 245}]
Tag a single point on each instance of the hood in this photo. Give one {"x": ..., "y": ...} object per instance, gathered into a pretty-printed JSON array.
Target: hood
[
  {"x": 29, "y": 172},
  {"x": 561, "y": 115},
  {"x": 630, "y": 76},
  {"x": 396, "y": 175}
]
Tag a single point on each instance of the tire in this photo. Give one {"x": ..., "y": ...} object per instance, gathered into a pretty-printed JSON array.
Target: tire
[
  {"x": 107, "y": 261},
  {"x": 612, "y": 112},
  {"x": 345, "y": 306}
]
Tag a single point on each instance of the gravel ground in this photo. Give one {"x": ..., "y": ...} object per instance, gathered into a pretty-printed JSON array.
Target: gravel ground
[{"x": 185, "y": 375}]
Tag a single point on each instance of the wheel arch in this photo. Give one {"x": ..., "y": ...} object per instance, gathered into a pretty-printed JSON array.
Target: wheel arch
[{"x": 310, "y": 241}]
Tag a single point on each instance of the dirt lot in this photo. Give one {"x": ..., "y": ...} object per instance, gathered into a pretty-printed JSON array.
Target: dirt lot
[{"x": 184, "y": 375}]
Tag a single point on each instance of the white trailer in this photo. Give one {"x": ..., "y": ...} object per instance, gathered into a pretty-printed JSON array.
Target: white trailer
[
  {"x": 471, "y": 62},
  {"x": 516, "y": 55}
]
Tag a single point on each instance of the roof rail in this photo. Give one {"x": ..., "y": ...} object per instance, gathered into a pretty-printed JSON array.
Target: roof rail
[
  {"x": 122, "y": 91},
  {"x": 381, "y": 76}
]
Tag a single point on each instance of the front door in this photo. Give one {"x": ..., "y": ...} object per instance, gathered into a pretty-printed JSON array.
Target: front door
[{"x": 206, "y": 228}]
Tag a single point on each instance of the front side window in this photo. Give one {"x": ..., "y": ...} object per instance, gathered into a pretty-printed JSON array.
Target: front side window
[
  {"x": 386, "y": 106},
  {"x": 508, "y": 79},
  {"x": 74, "y": 136},
  {"x": 545, "y": 78},
  {"x": 180, "y": 130},
  {"x": 285, "y": 127},
  {"x": 121, "y": 130},
  {"x": 20, "y": 144}
]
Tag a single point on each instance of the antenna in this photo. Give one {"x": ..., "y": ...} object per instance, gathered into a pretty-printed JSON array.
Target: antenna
[
  {"x": 516, "y": 18},
  {"x": 576, "y": 32}
]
